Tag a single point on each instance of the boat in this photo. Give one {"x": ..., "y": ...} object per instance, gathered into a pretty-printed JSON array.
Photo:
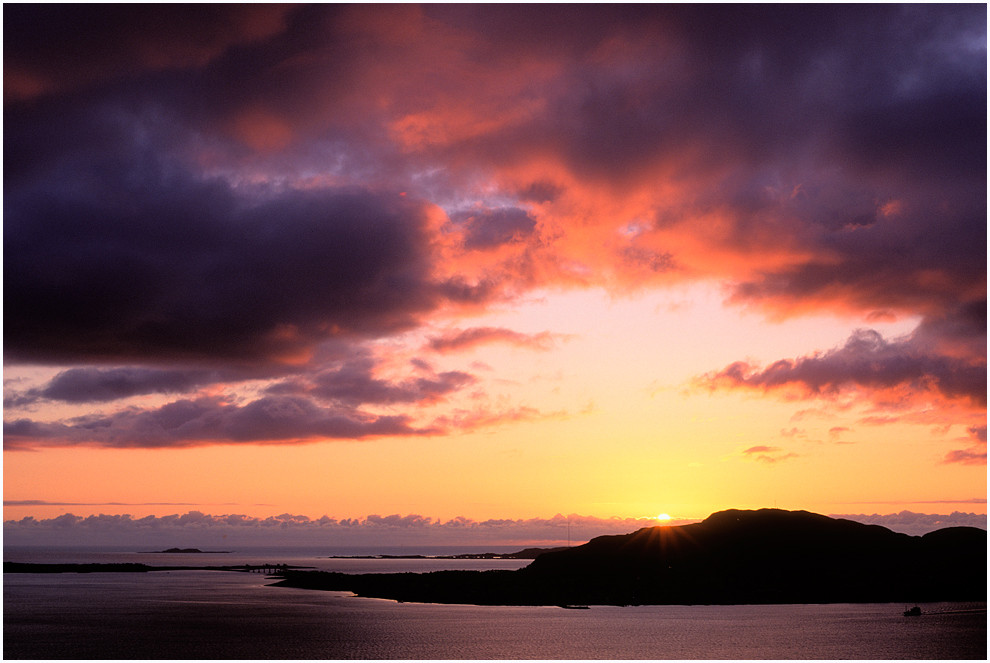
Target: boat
[{"x": 913, "y": 612}]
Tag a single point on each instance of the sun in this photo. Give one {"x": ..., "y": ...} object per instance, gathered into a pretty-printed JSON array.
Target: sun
[{"x": 663, "y": 516}]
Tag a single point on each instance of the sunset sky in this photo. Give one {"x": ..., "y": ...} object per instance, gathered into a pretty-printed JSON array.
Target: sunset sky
[{"x": 494, "y": 262}]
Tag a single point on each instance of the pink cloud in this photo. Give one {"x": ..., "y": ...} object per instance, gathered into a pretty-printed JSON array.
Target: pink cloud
[
  {"x": 468, "y": 338},
  {"x": 967, "y": 457},
  {"x": 468, "y": 420},
  {"x": 767, "y": 454}
]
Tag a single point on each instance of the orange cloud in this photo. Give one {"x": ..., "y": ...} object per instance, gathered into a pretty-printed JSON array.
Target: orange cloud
[
  {"x": 469, "y": 338},
  {"x": 261, "y": 130},
  {"x": 767, "y": 454}
]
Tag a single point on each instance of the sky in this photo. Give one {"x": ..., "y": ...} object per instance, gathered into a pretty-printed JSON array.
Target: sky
[{"x": 457, "y": 265}]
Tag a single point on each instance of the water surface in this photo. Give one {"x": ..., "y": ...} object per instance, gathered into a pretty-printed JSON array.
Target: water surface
[{"x": 213, "y": 614}]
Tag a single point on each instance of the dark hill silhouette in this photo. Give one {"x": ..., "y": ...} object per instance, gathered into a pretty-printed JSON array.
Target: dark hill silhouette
[
  {"x": 764, "y": 556},
  {"x": 776, "y": 556}
]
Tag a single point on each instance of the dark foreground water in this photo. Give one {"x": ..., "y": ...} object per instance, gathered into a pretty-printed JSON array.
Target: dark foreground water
[{"x": 215, "y": 615}]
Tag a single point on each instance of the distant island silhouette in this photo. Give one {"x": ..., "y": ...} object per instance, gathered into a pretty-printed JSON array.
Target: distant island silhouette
[
  {"x": 527, "y": 553},
  {"x": 275, "y": 570},
  {"x": 732, "y": 557},
  {"x": 187, "y": 550}
]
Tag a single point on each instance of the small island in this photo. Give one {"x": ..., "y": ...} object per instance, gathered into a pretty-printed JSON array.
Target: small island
[
  {"x": 187, "y": 551},
  {"x": 272, "y": 570}
]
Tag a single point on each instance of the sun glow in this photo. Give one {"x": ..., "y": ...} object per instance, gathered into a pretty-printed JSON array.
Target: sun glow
[{"x": 663, "y": 517}]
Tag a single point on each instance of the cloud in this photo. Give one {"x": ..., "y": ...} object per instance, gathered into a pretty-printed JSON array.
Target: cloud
[
  {"x": 208, "y": 420},
  {"x": 802, "y": 167},
  {"x": 767, "y": 454},
  {"x": 185, "y": 270},
  {"x": 227, "y": 531},
  {"x": 94, "y": 385},
  {"x": 489, "y": 228},
  {"x": 972, "y": 456},
  {"x": 917, "y": 524},
  {"x": 318, "y": 402},
  {"x": 897, "y": 262},
  {"x": 776, "y": 187},
  {"x": 479, "y": 418},
  {"x": 353, "y": 384},
  {"x": 460, "y": 339},
  {"x": 49, "y": 503},
  {"x": 934, "y": 376},
  {"x": 976, "y": 454},
  {"x": 97, "y": 43},
  {"x": 200, "y": 529},
  {"x": 866, "y": 362},
  {"x": 240, "y": 186}
]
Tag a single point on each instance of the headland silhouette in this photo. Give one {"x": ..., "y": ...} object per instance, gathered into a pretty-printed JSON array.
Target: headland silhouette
[{"x": 732, "y": 557}]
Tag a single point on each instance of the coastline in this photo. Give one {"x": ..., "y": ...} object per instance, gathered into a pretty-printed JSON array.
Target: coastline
[{"x": 131, "y": 567}]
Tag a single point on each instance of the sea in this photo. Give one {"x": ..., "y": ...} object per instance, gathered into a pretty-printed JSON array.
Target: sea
[{"x": 229, "y": 615}]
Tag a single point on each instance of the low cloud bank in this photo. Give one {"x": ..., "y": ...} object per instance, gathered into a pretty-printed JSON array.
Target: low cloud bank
[
  {"x": 197, "y": 529},
  {"x": 917, "y": 524},
  {"x": 202, "y": 530}
]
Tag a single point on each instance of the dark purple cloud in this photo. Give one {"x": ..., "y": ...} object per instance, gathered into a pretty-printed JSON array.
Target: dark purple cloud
[
  {"x": 95, "y": 385},
  {"x": 489, "y": 228},
  {"x": 98, "y": 43},
  {"x": 209, "y": 420},
  {"x": 312, "y": 404},
  {"x": 901, "y": 262},
  {"x": 154, "y": 266},
  {"x": 353, "y": 384},
  {"x": 866, "y": 361}
]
